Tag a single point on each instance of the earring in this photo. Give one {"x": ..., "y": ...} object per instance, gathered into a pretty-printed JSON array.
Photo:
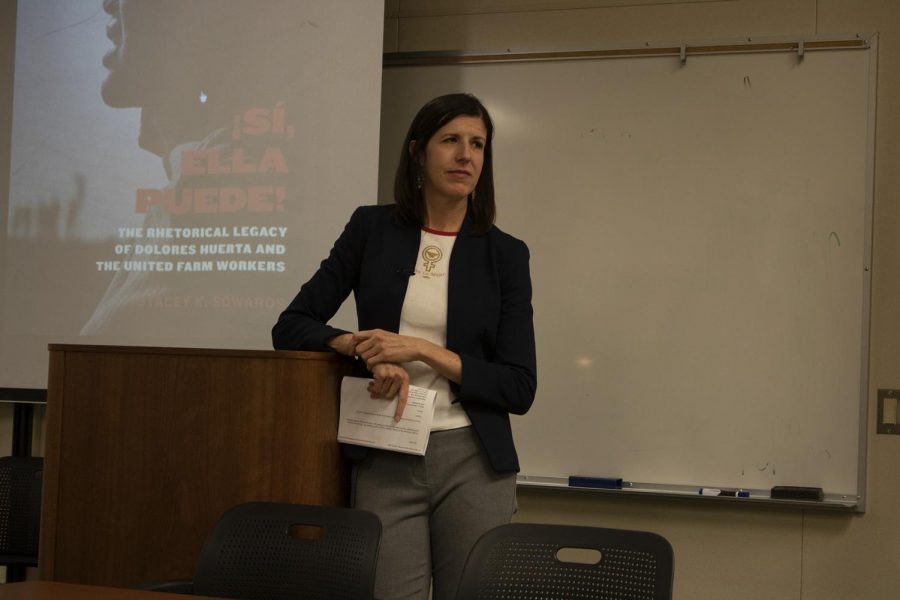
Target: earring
[{"x": 420, "y": 178}]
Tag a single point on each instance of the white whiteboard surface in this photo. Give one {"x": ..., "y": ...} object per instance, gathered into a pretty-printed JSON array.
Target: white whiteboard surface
[{"x": 699, "y": 240}]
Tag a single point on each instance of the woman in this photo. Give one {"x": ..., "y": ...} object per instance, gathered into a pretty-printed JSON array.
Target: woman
[{"x": 443, "y": 299}]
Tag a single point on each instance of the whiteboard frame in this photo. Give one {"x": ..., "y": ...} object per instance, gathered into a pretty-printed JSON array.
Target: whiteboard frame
[
  {"x": 799, "y": 45},
  {"x": 682, "y": 49}
]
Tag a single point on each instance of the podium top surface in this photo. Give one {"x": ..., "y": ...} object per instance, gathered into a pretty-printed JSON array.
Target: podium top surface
[{"x": 219, "y": 352}]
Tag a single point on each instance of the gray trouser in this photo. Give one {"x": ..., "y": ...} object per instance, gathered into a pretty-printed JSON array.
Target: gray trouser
[{"x": 433, "y": 509}]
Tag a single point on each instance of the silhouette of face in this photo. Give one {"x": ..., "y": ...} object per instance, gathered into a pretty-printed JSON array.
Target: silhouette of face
[
  {"x": 165, "y": 52},
  {"x": 152, "y": 50}
]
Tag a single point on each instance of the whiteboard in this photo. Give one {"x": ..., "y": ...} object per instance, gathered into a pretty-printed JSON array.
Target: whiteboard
[{"x": 700, "y": 255}]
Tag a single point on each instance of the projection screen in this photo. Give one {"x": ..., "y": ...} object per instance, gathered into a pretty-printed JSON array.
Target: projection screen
[{"x": 179, "y": 167}]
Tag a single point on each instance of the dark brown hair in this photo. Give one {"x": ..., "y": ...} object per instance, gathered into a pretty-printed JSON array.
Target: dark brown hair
[{"x": 431, "y": 117}]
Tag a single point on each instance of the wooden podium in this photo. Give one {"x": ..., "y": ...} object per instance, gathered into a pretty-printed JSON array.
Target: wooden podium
[{"x": 146, "y": 447}]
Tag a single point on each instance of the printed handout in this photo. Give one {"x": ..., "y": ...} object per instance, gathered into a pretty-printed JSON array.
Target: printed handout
[{"x": 367, "y": 421}]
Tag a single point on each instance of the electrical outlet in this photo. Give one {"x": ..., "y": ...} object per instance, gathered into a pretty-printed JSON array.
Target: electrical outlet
[{"x": 888, "y": 409}]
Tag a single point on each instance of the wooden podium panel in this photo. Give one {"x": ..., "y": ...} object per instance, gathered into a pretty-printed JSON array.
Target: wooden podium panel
[{"x": 146, "y": 447}]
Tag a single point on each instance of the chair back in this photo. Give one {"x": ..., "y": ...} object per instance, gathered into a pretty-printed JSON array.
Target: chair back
[
  {"x": 522, "y": 561},
  {"x": 271, "y": 551},
  {"x": 21, "y": 479}
]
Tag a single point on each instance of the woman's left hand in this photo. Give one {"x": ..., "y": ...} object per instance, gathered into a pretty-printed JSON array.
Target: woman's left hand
[{"x": 377, "y": 346}]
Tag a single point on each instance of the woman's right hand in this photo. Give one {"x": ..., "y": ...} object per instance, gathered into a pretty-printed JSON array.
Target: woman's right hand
[{"x": 390, "y": 380}]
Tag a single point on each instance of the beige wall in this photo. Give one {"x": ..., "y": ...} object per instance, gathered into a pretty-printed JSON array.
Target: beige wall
[
  {"x": 727, "y": 552},
  {"x": 7, "y": 64},
  {"x": 7, "y": 31}
]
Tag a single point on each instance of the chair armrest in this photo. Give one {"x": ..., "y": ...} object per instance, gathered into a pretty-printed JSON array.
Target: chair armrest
[{"x": 171, "y": 587}]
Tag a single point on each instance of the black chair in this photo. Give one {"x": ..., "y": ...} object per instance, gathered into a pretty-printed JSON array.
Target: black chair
[
  {"x": 21, "y": 478},
  {"x": 271, "y": 551},
  {"x": 522, "y": 561}
]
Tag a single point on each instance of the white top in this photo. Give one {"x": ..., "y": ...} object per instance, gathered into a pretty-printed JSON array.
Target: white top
[{"x": 424, "y": 315}]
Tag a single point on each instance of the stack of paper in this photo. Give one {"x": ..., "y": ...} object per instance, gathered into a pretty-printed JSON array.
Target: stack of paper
[{"x": 367, "y": 421}]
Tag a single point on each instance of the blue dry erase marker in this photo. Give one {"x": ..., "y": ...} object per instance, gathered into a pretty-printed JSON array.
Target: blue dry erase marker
[
  {"x": 736, "y": 493},
  {"x": 607, "y": 483}
]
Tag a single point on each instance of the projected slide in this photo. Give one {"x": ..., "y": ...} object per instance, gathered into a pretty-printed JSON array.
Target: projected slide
[{"x": 179, "y": 167}]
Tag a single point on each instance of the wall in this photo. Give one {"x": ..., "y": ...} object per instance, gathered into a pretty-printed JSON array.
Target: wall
[
  {"x": 7, "y": 66},
  {"x": 727, "y": 551},
  {"x": 7, "y": 45}
]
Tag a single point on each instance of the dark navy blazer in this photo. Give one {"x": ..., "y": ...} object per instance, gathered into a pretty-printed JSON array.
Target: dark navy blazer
[{"x": 489, "y": 315}]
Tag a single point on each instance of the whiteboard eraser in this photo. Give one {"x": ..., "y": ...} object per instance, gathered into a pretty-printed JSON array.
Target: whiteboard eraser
[{"x": 791, "y": 492}]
